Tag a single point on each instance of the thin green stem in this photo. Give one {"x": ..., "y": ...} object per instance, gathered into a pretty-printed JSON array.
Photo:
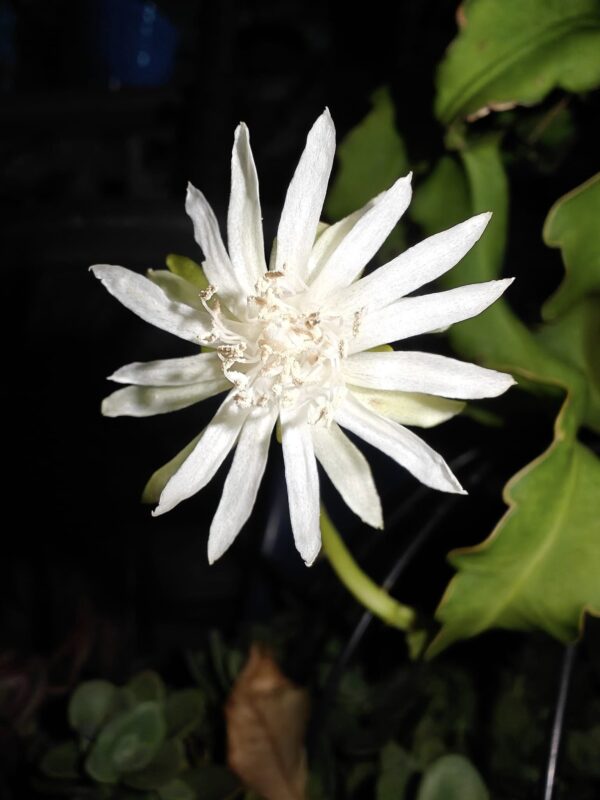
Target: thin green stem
[{"x": 365, "y": 590}]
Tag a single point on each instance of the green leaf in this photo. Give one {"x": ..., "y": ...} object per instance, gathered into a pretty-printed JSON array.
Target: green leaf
[
  {"x": 90, "y": 706},
  {"x": 147, "y": 685},
  {"x": 396, "y": 769},
  {"x": 573, "y": 225},
  {"x": 497, "y": 338},
  {"x": 129, "y": 742},
  {"x": 61, "y": 761},
  {"x": 184, "y": 712},
  {"x": 370, "y": 158},
  {"x": 540, "y": 567},
  {"x": 188, "y": 270},
  {"x": 574, "y": 338},
  {"x": 515, "y": 52},
  {"x": 159, "y": 479},
  {"x": 452, "y": 777},
  {"x": 164, "y": 767}
]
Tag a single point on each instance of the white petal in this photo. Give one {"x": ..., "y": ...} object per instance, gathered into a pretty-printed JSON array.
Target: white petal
[
  {"x": 304, "y": 199},
  {"x": 364, "y": 240},
  {"x": 146, "y": 401},
  {"x": 149, "y": 302},
  {"x": 414, "y": 268},
  {"x": 217, "y": 267},
  {"x": 206, "y": 458},
  {"x": 328, "y": 240},
  {"x": 400, "y": 444},
  {"x": 176, "y": 288},
  {"x": 244, "y": 220},
  {"x": 428, "y": 373},
  {"x": 160, "y": 477},
  {"x": 171, "y": 371},
  {"x": 408, "y": 408},
  {"x": 349, "y": 472},
  {"x": 302, "y": 480},
  {"x": 412, "y": 316},
  {"x": 242, "y": 482}
]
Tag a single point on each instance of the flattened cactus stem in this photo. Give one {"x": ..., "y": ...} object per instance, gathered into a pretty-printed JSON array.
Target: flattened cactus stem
[{"x": 363, "y": 589}]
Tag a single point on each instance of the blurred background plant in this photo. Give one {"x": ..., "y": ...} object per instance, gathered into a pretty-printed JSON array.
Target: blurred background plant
[{"x": 108, "y": 108}]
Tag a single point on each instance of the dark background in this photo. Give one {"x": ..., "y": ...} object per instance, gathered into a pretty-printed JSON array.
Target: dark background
[{"x": 94, "y": 163}]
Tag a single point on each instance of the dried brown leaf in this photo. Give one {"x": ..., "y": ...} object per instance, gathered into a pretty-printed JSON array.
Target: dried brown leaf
[{"x": 266, "y": 718}]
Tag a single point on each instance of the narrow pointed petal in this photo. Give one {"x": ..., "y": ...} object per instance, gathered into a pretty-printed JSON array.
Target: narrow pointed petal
[
  {"x": 149, "y": 302},
  {"x": 242, "y": 482},
  {"x": 302, "y": 479},
  {"x": 428, "y": 373},
  {"x": 244, "y": 220},
  {"x": 414, "y": 268},
  {"x": 408, "y": 408},
  {"x": 349, "y": 472},
  {"x": 412, "y": 316},
  {"x": 171, "y": 371},
  {"x": 206, "y": 458},
  {"x": 332, "y": 236},
  {"x": 304, "y": 199},
  {"x": 176, "y": 288},
  {"x": 398, "y": 443},
  {"x": 364, "y": 240},
  {"x": 146, "y": 401},
  {"x": 160, "y": 477},
  {"x": 217, "y": 267}
]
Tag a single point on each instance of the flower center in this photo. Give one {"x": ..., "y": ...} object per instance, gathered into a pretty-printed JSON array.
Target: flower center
[{"x": 283, "y": 354}]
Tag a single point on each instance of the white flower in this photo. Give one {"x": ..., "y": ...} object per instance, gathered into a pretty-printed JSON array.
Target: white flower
[{"x": 295, "y": 341}]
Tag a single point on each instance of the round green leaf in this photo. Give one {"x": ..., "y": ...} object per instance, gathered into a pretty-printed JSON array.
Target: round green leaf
[
  {"x": 90, "y": 706},
  {"x": 128, "y": 743},
  {"x": 147, "y": 685},
  {"x": 452, "y": 777},
  {"x": 61, "y": 761},
  {"x": 396, "y": 769},
  {"x": 164, "y": 767},
  {"x": 184, "y": 711}
]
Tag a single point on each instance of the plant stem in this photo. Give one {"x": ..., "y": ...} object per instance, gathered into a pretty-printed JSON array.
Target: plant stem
[{"x": 365, "y": 590}]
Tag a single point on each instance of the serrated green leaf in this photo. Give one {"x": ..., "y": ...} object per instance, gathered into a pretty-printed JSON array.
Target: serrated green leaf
[
  {"x": 90, "y": 706},
  {"x": 147, "y": 685},
  {"x": 370, "y": 158},
  {"x": 159, "y": 479},
  {"x": 187, "y": 269},
  {"x": 540, "y": 567},
  {"x": 184, "y": 711},
  {"x": 129, "y": 742},
  {"x": 396, "y": 769},
  {"x": 574, "y": 338},
  {"x": 452, "y": 777},
  {"x": 61, "y": 761},
  {"x": 164, "y": 767},
  {"x": 515, "y": 52},
  {"x": 573, "y": 225},
  {"x": 497, "y": 338}
]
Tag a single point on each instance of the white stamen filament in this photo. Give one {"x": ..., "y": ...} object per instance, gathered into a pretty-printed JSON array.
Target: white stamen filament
[{"x": 282, "y": 354}]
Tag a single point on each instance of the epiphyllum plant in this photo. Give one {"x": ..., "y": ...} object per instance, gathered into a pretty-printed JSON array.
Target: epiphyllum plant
[{"x": 296, "y": 342}]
